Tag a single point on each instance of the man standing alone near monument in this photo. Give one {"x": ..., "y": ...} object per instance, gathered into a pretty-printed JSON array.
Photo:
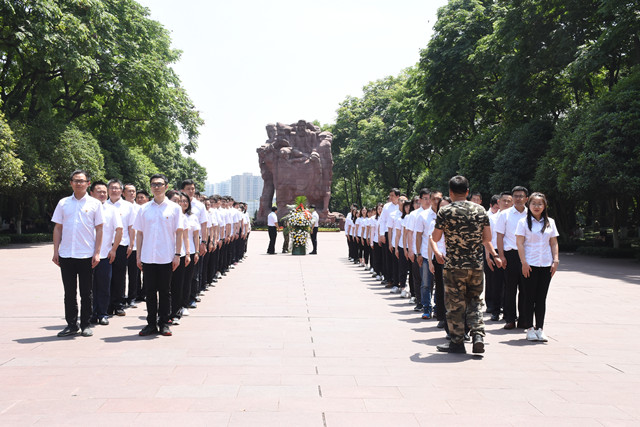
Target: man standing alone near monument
[
  {"x": 77, "y": 238},
  {"x": 315, "y": 220},
  {"x": 272, "y": 226},
  {"x": 466, "y": 229}
]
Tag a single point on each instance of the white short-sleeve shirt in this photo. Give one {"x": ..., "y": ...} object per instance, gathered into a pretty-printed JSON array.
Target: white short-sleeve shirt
[
  {"x": 79, "y": 219},
  {"x": 440, "y": 243},
  {"x": 507, "y": 223},
  {"x": 158, "y": 223},
  {"x": 272, "y": 220},
  {"x": 127, "y": 216},
  {"x": 422, "y": 226},
  {"x": 112, "y": 221},
  {"x": 193, "y": 225},
  {"x": 537, "y": 250}
]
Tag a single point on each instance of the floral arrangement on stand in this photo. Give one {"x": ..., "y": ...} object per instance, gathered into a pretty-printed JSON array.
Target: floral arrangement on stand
[{"x": 299, "y": 226}]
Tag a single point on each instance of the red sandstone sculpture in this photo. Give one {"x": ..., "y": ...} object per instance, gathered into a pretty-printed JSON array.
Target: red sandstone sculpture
[{"x": 296, "y": 161}]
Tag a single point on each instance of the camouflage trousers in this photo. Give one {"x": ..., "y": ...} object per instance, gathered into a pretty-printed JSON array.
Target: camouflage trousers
[{"x": 462, "y": 290}]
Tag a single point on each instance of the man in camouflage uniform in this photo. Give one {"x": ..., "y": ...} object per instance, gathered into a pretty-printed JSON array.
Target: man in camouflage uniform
[{"x": 466, "y": 229}]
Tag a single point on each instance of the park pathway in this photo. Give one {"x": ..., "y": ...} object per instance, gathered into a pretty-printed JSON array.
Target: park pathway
[{"x": 315, "y": 341}]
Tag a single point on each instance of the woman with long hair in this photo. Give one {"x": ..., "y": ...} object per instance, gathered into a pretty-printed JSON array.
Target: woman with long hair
[
  {"x": 193, "y": 235},
  {"x": 537, "y": 241},
  {"x": 400, "y": 245},
  {"x": 177, "y": 278},
  {"x": 437, "y": 252}
]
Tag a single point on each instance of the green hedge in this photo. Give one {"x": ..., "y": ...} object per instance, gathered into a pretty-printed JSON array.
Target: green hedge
[
  {"x": 606, "y": 252},
  {"x": 31, "y": 238},
  {"x": 4, "y": 240}
]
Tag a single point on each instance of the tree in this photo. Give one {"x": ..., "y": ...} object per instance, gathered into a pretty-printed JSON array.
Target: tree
[{"x": 10, "y": 165}]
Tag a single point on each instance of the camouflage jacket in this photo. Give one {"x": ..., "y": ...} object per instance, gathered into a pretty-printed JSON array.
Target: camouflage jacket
[{"x": 462, "y": 224}]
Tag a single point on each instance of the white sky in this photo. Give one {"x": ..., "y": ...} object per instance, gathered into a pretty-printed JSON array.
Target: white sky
[{"x": 249, "y": 63}]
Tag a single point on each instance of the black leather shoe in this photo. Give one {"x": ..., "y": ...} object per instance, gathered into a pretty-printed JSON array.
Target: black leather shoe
[
  {"x": 68, "y": 331},
  {"x": 495, "y": 317},
  {"x": 478, "y": 344},
  {"x": 451, "y": 348},
  {"x": 467, "y": 338},
  {"x": 441, "y": 324}
]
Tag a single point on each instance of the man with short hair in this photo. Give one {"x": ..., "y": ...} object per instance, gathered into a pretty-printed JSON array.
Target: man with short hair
[
  {"x": 77, "y": 239},
  {"x": 476, "y": 198},
  {"x": 119, "y": 265},
  {"x": 159, "y": 239},
  {"x": 111, "y": 237},
  {"x": 315, "y": 220},
  {"x": 272, "y": 226},
  {"x": 466, "y": 230},
  {"x": 142, "y": 197},
  {"x": 508, "y": 250}
]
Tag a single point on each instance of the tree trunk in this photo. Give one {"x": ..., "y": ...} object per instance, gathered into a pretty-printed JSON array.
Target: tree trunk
[{"x": 616, "y": 223}]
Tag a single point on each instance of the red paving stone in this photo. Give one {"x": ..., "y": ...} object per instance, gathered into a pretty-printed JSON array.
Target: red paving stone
[{"x": 315, "y": 341}]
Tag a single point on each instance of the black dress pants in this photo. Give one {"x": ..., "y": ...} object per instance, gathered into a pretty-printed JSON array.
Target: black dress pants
[
  {"x": 314, "y": 239},
  {"x": 177, "y": 284},
  {"x": 118, "y": 279},
  {"x": 158, "y": 285},
  {"x": 512, "y": 283},
  {"x": 77, "y": 273},
  {"x": 273, "y": 233}
]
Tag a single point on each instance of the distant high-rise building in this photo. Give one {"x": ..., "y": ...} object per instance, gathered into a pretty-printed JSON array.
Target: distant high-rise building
[{"x": 243, "y": 188}]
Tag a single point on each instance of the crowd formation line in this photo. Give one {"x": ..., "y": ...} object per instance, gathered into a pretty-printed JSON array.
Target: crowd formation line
[
  {"x": 442, "y": 253},
  {"x": 172, "y": 247}
]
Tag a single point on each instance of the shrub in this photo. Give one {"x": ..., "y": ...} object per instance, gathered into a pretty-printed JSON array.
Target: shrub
[
  {"x": 31, "y": 238},
  {"x": 609, "y": 252},
  {"x": 4, "y": 240}
]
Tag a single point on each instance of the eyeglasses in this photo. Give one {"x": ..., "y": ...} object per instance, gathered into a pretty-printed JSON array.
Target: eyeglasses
[
  {"x": 79, "y": 181},
  {"x": 157, "y": 184},
  {"x": 519, "y": 196}
]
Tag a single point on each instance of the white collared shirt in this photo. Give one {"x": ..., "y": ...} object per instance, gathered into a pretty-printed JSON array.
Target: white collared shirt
[
  {"x": 440, "y": 243},
  {"x": 411, "y": 224},
  {"x": 315, "y": 219},
  {"x": 346, "y": 223},
  {"x": 193, "y": 225},
  {"x": 507, "y": 223},
  {"x": 79, "y": 219},
  {"x": 385, "y": 223},
  {"x": 199, "y": 209},
  {"x": 158, "y": 224},
  {"x": 272, "y": 219},
  {"x": 374, "y": 229},
  {"x": 537, "y": 250},
  {"x": 112, "y": 221},
  {"x": 422, "y": 226},
  {"x": 493, "y": 220},
  {"x": 127, "y": 217}
]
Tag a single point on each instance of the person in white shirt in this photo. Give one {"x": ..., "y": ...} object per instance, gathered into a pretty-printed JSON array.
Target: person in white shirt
[
  {"x": 198, "y": 209},
  {"x": 111, "y": 237},
  {"x": 375, "y": 242},
  {"x": 193, "y": 234},
  {"x": 348, "y": 221},
  {"x": 508, "y": 251},
  {"x": 315, "y": 221},
  {"x": 389, "y": 260},
  {"x": 125, "y": 249},
  {"x": 159, "y": 238},
  {"x": 272, "y": 226},
  {"x": 493, "y": 277},
  {"x": 178, "y": 275},
  {"x": 431, "y": 200},
  {"x": 437, "y": 252},
  {"x": 400, "y": 267},
  {"x": 77, "y": 239},
  {"x": 133, "y": 272},
  {"x": 409, "y": 231},
  {"x": 537, "y": 241}
]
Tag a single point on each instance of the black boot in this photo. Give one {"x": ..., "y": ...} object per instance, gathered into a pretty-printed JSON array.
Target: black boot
[
  {"x": 451, "y": 347},
  {"x": 478, "y": 344}
]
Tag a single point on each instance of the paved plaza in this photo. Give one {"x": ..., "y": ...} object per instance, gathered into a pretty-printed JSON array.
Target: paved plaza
[{"x": 314, "y": 341}]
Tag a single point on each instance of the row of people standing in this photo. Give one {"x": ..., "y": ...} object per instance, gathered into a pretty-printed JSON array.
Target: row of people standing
[
  {"x": 162, "y": 234},
  {"x": 396, "y": 242}
]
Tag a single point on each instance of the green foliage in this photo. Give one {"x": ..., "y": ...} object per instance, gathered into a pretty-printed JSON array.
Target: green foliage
[
  {"x": 4, "y": 240},
  {"x": 31, "y": 238},
  {"x": 89, "y": 85},
  {"x": 10, "y": 165}
]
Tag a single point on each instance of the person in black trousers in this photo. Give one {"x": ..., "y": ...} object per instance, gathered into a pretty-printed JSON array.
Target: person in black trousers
[{"x": 272, "y": 226}]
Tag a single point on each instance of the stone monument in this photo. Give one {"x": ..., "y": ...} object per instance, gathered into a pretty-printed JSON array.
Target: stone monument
[{"x": 295, "y": 161}]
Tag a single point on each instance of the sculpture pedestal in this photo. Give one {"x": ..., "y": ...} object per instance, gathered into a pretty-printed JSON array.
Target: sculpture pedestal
[{"x": 299, "y": 250}]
